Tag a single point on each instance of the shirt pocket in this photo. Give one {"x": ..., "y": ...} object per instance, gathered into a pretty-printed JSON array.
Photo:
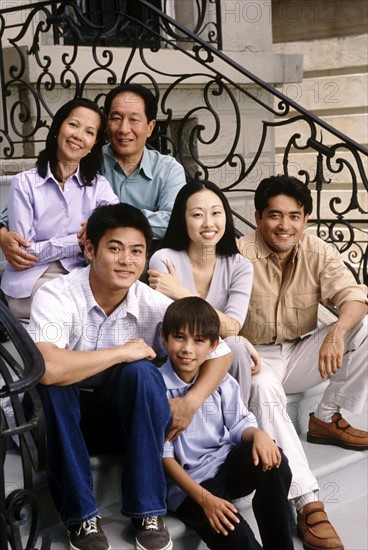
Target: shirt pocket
[
  {"x": 301, "y": 312},
  {"x": 259, "y": 318}
]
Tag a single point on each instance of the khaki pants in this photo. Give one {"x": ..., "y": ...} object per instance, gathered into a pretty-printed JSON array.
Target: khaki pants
[
  {"x": 292, "y": 367},
  {"x": 21, "y": 307}
]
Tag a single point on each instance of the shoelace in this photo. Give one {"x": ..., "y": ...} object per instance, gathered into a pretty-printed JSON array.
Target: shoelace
[
  {"x": 89, "y": 527},
  {"x": 151, "y": 523}
]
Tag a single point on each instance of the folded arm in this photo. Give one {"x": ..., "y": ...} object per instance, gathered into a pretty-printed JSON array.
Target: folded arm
[
  {"x": 65, "y": 367},
  {"x": 13, "y": 245}
]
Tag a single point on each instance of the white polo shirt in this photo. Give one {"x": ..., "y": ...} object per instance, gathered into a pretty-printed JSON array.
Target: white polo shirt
[{"x": 65, "y": 313}]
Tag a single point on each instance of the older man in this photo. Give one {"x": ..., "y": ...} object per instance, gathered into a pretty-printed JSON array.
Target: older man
[{"x": 139, "y": 176}]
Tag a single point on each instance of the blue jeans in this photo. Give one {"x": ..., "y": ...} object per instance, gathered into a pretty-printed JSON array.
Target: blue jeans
[{"x": 127, "y": 412}]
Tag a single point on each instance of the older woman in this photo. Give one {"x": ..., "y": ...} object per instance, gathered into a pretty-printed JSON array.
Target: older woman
[
  {"x": 199, "y": 256},
  {"x": 49, "y": 203}
]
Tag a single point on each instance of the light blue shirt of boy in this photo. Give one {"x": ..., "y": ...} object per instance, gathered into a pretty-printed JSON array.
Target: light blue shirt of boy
[
  {"x": 152, "y": 187},
  {"x": 215, "y": 429}
]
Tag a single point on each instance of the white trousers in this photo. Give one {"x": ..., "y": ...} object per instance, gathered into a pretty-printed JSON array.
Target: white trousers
[
  {"x": 292, "y": 367},
  {"x": 241, "y": 366}
]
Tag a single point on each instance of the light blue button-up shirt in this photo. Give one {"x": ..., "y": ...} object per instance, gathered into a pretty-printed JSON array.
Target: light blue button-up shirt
[
  {"x": 152, "y": 187},
  {"x": 215, "y": 429},
  {"x": 49, "y": 219}
]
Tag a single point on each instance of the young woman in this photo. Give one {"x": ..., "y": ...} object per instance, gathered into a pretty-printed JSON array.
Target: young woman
[
  {"x": 48, "y": 204},
  {"x": 199, "y": 256}
]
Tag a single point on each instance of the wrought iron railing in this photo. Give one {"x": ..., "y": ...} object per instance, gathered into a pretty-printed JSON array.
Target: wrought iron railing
[
  {"x": 34, "y": 77},
  {"x": 20, "y": 370},
  {"x": 51, "y": 51}
]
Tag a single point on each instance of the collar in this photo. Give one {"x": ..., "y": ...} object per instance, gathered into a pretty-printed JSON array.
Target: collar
[
  {"x": 50, "y": 177},
  {"x": 172, "y": 380},
  {"x": 128, "y": 306},
  {"x": 87, "y": 291},
  {"x": 144, "y": 165},
  {"x": 263, "y": 250}
]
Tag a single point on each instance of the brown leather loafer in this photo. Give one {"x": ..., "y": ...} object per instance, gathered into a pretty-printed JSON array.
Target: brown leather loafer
[
  {"x": 338, "y": 432},
  {"x": 315, "y": 530}
]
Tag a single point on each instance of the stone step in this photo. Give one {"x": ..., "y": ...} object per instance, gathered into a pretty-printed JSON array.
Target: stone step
[
  {"x": 342, "y": 478},
  {"x": 343, "y": 489}
]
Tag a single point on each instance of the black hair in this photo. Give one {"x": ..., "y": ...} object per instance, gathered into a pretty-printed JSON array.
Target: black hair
[
  {"x": 150, "y": 102},
  {"x": 89, "y": 165},
  {"x": 112, "y": 216},
  {"x": 282, "y": 185},
  {"x": 176, "y": 236},
  {"x": 195, "y": 314}
]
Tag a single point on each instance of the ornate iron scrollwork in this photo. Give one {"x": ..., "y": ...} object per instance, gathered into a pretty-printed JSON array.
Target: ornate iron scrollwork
[
  {"x": 21, "y": 366},
  {"x": 137, "y": 54}
]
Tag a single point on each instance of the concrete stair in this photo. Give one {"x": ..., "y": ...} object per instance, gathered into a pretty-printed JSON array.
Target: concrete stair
[{"x": 342, "y": 477}]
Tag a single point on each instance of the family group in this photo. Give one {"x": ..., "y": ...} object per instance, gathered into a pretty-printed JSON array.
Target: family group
[{"x": 166, "y": 338}]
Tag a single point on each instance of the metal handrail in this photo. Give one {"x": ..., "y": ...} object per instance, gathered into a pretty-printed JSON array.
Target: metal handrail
[{"x": 21, "y": 367}]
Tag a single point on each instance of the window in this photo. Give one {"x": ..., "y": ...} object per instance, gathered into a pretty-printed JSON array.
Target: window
[{"x": 111, "y": 15}]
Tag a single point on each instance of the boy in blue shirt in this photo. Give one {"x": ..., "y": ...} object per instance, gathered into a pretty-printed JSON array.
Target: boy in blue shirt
[{"x": 222, "y": 455}]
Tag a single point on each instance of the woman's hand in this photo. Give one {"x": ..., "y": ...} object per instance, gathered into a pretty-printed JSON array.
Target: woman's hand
[
  {"x": 167, "y": 283},
  {"x": 254, "y": 355}
]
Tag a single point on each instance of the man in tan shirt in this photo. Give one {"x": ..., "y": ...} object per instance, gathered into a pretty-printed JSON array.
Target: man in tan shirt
[{"x": 293, "y": 273}]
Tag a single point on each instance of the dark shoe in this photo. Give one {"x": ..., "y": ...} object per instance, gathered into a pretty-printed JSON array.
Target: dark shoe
[
  {"x": 315, "y": 530},
  {"x": 88, "y": 536},
  {"x": 151, "y": 534},
  {"x": 337, "y": 432}
]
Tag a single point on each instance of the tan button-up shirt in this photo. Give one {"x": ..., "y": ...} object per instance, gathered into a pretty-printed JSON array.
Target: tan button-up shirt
[{"x": 285, "y": 307}]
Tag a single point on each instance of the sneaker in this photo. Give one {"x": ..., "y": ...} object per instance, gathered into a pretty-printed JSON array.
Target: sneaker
[
  {"x": 152, "y": 534},
  {"x": 88, "y": 536}
]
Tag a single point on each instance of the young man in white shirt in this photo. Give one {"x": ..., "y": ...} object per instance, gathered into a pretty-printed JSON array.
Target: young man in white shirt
[{"x": 96, "y": 329}]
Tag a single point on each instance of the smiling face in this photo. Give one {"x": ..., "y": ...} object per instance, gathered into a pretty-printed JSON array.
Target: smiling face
[
  {"x": 187, "y": 352},
  {"x": 128, "y": 127},
  {"x": 205, "y": 218},
  {"x": 77, "y": 135},
  {"x": 282, "y": 223},
  {"x": 117, "y": 264}
]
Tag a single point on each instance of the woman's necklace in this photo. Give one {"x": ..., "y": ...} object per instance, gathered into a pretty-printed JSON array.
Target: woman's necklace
[{"x": 202, "y": 281}]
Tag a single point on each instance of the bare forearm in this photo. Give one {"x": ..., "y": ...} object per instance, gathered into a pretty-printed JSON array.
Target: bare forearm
[
  {"x": 65, "y": 367},
  {"x": 349, "y": 316},
  {"x": 183, "y": 480},
  {"x": 229, "y": 326},
  {"x": 211, "y": 374}
]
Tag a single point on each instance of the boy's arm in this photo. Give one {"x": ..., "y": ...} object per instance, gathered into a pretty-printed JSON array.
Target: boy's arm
[
  {"x": 64, "y": 367},
  {"x": 219, "y": 512},
  {"x": 183, "y": 408},
  {"x": 264, "y": 449}
]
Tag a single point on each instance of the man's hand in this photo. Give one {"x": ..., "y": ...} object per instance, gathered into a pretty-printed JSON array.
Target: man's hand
[
  {"x": 11, "y": 244},
  {"x": 331, "y": 352},
  {"x": 220, "y": 513},
  {"x": 265, "y": 451},
  {"x": 137, "y": 349},
  {"x": 183, "y": 412}
]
